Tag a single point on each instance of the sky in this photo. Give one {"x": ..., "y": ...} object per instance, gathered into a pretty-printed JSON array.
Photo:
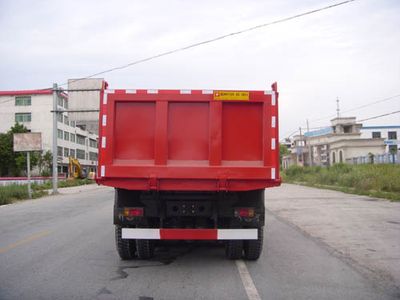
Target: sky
[{"x": 351, "y": 52}]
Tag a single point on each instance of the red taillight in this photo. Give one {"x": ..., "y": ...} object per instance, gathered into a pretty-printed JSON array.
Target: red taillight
[
  {"x": 133, "y": 212},
  {"x": 244, "y": 212}
]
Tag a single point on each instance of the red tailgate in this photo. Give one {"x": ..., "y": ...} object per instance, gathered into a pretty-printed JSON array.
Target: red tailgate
[{"x": 189, "y": 140}]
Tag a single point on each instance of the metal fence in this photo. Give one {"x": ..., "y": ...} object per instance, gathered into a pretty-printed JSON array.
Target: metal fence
[
  {"x": 375, "y": 159},
  {"x": 24, "y": 180}
]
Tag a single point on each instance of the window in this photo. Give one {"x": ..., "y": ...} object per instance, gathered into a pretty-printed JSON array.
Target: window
[
  {"x": 66, "y": 152},
  {"x": 376, "y": 134},
  {"x": 59, "y": 151},
  {"x": 66, "y": 135},
  {"x": 80, "y": 154},
  {"x": 65, "y": 103},
  {"x": 92, "y": 155},
  {"x": 59, "y": 117},
  {"x": 333, "y": 157},
  {"x": 93, "y": 143},
  {"x": 60, "y": 134},
  {"x": 72, "y": 153},
  {"x": 23, "y": 101},
  {"x": 340, "y": 156},
  {"x": 60, "y": 101},
  {"x": 80, "y": 139},
  {"x": 73, "y": 136},
  {"x": 72, "y": 123},
  {"x": 66, "y": 120},
  {"x": 392, "y": 135},
  {"x": 347, "y": 129},
  {"x": 23, "y": 117}
]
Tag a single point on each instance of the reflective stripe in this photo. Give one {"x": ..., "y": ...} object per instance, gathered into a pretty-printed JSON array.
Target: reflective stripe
[
  {"x": 103, "y": 142},
  {"x": 152, "y": 91},
  {"x": 103, "y": 171},
  {"x": 273, "y": 173},
  {"x": 141, "y": 233},
  {"x": 207, "y": 92},
  {"x": 105, "y": 98},
  {"x": 273, "y": 122},
  {"x": 130, "y": 91},
  {"x": 189, "y": 234},
  {"x": 186, "y": 91},
  {"x": 104, "y": 120},
  {"x": 273, "y": 144},
  {"x": 238, "y": 234},
  {"x": 273, "y": 100}
]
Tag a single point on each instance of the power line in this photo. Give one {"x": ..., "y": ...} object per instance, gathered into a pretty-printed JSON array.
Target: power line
[
  {"x": 358, "y": 107},
  {"x": 372, "y": 103},
  {"x": 218, "y": 38},
  {"x": 384, "y": 115}
]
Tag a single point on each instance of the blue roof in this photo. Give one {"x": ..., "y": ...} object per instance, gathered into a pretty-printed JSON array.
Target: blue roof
[{"x": 319, "y": 132}]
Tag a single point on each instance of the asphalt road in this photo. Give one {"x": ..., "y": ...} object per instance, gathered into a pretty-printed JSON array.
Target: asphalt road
[{"x": 62, "y": 247}]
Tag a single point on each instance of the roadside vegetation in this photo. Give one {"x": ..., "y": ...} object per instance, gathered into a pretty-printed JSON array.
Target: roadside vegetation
[
  {"x": 14, "y": 192},
  {"x": 375, "y": 180}
]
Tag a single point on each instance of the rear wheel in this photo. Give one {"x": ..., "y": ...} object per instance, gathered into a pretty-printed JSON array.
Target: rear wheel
[
  {"x": 126, "y": 248},
  {"x": 234, "y": 249},
  {"x": 253, "y": 248},
  {"x": 145, "y": 248}
]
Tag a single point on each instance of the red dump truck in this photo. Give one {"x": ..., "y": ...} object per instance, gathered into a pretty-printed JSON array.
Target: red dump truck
[{"x": 189, "y": 165}]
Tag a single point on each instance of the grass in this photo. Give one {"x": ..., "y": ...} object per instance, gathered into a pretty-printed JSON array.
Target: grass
[
  {"x": 380, "y": 180},
  {"x": 14, "y": 192}
]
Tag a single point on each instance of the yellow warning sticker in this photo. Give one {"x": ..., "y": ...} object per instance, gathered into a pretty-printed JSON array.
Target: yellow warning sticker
[{"x": 231, "y": 95}]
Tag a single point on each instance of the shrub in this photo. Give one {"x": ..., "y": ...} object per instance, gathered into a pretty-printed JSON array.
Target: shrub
[{"x": 378, "y": 179}]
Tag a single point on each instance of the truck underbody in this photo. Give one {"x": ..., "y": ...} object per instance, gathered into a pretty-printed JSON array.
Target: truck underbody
[{"x": 142, "y": 217}]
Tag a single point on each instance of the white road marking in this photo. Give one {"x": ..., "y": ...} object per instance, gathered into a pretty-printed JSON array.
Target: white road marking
[{"x": 248, "y": 283}]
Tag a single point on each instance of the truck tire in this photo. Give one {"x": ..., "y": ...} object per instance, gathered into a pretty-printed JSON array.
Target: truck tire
[
  {"x": 145, "y": 249},
  {"x": 253, "y": 248},
  {"x": 234, "y": 249},
  {"x": 126, "y": 248}
]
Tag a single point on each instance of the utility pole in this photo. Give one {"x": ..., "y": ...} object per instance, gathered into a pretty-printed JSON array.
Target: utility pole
[
  {"x": 301, "y": 147},
  {"x": 309, "y": 146},
  {"x": 55, "y": 171},
  {"x": 28, "y": 172},
  {"x": 337, "y": 108}
]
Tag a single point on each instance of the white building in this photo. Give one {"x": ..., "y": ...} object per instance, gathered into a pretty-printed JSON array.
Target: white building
[
  {"x": 390, "y": 134},
  {"x": 32, "y": 108},
  {"x": 345, "y": 141}
]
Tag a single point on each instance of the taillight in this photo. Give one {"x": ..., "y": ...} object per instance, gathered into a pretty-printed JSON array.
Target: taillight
[
  {"x": 244, "y": 212},
  {"x": 133, "y": 212}
]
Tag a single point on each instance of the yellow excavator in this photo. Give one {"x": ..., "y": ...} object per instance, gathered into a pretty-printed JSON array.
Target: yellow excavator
[{"x": 75, "y": 169}]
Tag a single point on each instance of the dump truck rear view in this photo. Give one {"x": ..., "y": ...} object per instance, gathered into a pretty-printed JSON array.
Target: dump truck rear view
[{"x": 189, "y": 165}]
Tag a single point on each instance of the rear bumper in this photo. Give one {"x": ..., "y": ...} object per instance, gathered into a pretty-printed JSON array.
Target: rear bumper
[{"x": 190, "y": 234}]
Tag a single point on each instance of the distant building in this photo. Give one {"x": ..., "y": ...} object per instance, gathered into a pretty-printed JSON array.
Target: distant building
[
  {"x": 345, "y": 141},
  {"x": 390, "y": 134},
  {"x": 32, "y": 108}
]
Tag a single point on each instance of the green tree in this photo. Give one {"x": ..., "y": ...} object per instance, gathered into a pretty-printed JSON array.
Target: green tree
[
  {"x": 45, "y": 163},
  {"x": 13, "y": 163}
]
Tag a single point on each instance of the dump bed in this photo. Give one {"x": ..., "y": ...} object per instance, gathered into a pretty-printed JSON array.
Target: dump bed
[{"x": 189, "y": 140}]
